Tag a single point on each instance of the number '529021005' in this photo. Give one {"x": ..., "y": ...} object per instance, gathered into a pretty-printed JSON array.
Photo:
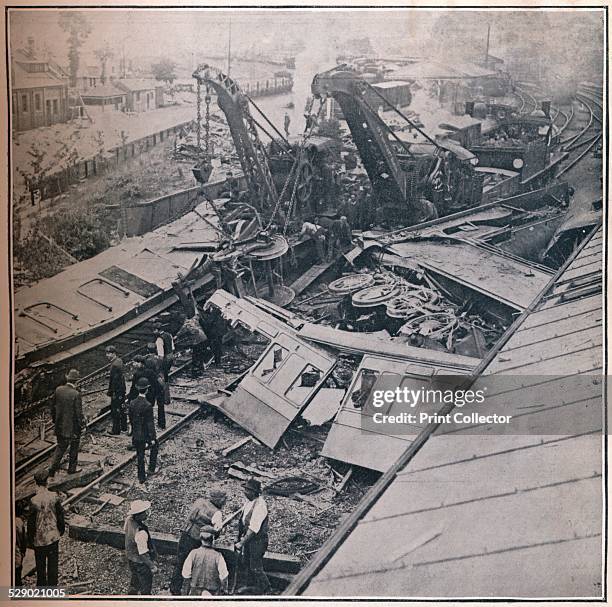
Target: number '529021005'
[{"x": 22, "y": 592}]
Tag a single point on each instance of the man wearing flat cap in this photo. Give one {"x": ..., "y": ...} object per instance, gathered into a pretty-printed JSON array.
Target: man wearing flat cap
[
  {"x": 139, "y": 548},
  {"x": 116, "y": 391},
  {"x": 67, "y": 415},
  {"x": 205, "y": 570},
  {"x": 140, "y": 412},
  {"x": 253, "y": 535},
  {"x": 205, "y": 512}
]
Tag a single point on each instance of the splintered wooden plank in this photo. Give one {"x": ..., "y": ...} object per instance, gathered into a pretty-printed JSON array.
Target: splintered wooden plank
[
  {"x": 306, "y": 279},
  {"x": 235, "y": 446}
]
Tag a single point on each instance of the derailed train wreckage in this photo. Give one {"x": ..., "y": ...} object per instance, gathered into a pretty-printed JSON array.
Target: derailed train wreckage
[
  {"x": 432, "y": 296},
  {"x": 244, "y": 240},
  {"x": 412, "y": 183}
]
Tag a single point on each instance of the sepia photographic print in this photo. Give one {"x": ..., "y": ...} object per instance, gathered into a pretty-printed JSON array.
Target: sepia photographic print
[{"x": 306, "y": 302}]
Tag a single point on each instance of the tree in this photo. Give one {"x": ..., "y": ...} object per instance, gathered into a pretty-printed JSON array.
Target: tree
[
  {"x": 103, "y": 55},
  {"x": 164, "y": 70},
  {"x": 78, "y": 28}
]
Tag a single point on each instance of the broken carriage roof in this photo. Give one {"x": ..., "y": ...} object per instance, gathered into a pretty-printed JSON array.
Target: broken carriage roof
[
  {"x": 496, "y": 515},
  {"x": 88, "y": 294},
  {"x": 273, "y": 392}
]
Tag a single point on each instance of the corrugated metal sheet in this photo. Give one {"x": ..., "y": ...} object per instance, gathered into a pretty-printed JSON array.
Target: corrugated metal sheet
[{"x": 499, "y": 515}]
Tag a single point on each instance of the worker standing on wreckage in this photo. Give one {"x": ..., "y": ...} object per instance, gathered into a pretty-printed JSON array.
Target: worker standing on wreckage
[
  {"x": 205, "y": 570},
  {"x": 155, "y": 363},
  {"x": 164, "y": 342},
  {"x": 253, "y": 536},
  {"x": 139, "y": 549},
  {"x": 204, "y": 332},
  {"x": 205, "y": 512}
]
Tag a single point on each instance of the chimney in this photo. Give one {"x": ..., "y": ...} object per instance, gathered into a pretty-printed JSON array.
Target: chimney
[{"x": 31, "y": 48}]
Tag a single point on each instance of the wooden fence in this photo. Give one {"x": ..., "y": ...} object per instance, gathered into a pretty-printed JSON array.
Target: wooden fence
[{"x": 59, "y": 181}]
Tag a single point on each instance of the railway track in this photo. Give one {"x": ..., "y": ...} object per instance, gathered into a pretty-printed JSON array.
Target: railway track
[
  {"x": 565, "y": 116},
  {"x": 589, "y": 135},
  {"x": 30, "y": 462},
  {"x": 528, "y": 102}
]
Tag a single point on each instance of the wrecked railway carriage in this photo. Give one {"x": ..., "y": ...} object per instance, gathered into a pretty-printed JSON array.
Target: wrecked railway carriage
[{"x": 421, "y": 306}]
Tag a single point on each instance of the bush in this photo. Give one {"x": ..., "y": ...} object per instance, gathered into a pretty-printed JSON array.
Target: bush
[{"x": 78, "y": 232}]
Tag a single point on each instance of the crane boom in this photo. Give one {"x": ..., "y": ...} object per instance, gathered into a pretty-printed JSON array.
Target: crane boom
[
  {"x": 251, "y": 151},
  {"x": 369, "y": 132}
]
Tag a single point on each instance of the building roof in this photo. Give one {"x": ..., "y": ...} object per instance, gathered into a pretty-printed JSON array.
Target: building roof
[
  {"x": 436, "y": 70},
  {"x": 137, "y": 84},
  {"x": 103, "y": 90},
  {"x": 389, "y": 84},
  {"x": 482, "y": 512},
  {"x": 22, "y": 79}
]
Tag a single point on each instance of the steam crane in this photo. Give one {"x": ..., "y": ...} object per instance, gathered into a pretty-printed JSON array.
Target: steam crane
[
  {"x": 251, "y": 151},
  {"x": 411, "y": 181},
  {"x": 290, "y": 168}
]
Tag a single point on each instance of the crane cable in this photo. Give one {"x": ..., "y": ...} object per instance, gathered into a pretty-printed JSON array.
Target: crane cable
[
  {"x": 282, "y": 194},
  {"x": 207, "y": 101},
  {"x": 294, "y": 166},
  {"x": 307, "y": 135}
]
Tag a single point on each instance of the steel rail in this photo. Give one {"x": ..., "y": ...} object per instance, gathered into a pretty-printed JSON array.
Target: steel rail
[
  {"x": 575, "y": 138},
  {"x": 580, "y": 157},
  {"x": 22, "y": 469},
  {"x": 77, "y": 496}
]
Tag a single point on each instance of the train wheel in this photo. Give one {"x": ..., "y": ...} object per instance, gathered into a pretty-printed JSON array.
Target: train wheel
[{"x": 304, "y": 187}]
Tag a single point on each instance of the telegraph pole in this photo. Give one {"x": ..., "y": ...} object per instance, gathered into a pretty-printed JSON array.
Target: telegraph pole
[{"x": 229, "y": 48}]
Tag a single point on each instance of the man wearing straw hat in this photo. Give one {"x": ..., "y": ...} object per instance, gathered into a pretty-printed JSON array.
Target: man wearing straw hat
[
  {"x": 67, "y": 415},
  {"x": 205, "y": 569},
  {"x": 139, "y": 548}
]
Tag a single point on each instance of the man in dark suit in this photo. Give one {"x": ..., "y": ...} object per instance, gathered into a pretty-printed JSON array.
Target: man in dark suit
[
  {"x": 155, "y": 364},
  {"x": 67, "y": 415},
  {"x": 116, "y": 391},
  {"x": 141, "y": 371},
  {"x": 143, "y": 429}
]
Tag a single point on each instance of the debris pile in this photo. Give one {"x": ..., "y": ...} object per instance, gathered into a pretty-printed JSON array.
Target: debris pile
[{"x": 416, "y": 310}]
